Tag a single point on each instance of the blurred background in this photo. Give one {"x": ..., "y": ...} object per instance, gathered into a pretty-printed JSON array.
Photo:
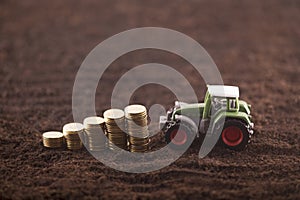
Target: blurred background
[{"x": 255, "y": 45}]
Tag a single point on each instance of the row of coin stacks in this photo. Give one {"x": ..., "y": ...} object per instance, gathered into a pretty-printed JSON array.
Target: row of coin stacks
[{"x": 114, "y": 125}]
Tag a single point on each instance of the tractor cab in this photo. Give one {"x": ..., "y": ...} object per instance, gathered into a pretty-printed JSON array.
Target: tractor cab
[{"x": 220, "y": 98}]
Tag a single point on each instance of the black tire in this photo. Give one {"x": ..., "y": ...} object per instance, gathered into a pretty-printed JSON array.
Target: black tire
[
  {"x": 235, "y": 135},
  {"x": 175, "y": 142}
]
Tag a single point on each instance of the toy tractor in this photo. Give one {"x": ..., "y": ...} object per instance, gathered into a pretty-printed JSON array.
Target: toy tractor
[{"x": 221, "y": 110}]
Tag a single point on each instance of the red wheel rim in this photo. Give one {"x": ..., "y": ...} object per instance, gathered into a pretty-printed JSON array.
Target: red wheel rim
[
  {"x": 178, "y": 137},
  {"x": 232, "y": 136}
]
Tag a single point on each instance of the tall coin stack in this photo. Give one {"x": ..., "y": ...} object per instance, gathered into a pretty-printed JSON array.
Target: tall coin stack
[
  {"x": 94, "y": 129},
  {"x": 137, "y": 129},
  {"x": 115, "y": 124},
  {"x": 53, "y": 139},
  {"x": 71, "y": 132}
]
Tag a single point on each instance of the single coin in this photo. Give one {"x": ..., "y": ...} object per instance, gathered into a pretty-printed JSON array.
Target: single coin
[
  {"x": 94, "y": 120},
  {"x": 135, "y": 109},
  {"x": 113, "y": 114},
  {"x": 73, "y": 127},
  {"x": 53, "y": 134}
]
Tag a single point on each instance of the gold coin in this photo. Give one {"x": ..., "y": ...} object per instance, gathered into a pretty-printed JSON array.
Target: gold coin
[
  {"x": 135, "y": 109},
  {"x": 73, "y": 127},
  {"x": 113, "y": 114},
  {"x": 53, "y": 135},
  {"x": 94, "y": 121},
  {"x": 139, "y": 148}
]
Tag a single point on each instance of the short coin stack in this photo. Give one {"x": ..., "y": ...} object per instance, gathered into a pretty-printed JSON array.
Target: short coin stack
[
  {"x": 53, "y": 139},
  {"x": 94, "y": 129},
  {"x": 115, "y": 127},
  {"x": 71, "y": 132},
  {"x": 137, "y": 129}
]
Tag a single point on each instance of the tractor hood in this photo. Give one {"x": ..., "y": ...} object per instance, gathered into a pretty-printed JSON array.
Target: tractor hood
[
  {"x": 244, "y": 107},
  {"x": 194, "y": 109}
]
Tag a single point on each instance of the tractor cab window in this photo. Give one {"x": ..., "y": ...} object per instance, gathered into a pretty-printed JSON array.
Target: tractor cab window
[
  {"x": 218, "y": 103},
  {"x": 232, "y": 104}
]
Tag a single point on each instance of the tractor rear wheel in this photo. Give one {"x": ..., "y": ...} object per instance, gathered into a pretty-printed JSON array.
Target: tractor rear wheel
[
  {"x": 178, "y": 136},
  {"x": 235, "y": 134}
]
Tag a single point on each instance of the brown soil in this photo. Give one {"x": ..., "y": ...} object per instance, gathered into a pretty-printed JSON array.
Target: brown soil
[{"x": 254, "y": 43}]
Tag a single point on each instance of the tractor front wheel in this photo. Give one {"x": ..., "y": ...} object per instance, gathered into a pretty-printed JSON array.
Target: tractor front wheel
[
  {"x": 235, "y": 135},
  {"x": 178, "y": 136}
]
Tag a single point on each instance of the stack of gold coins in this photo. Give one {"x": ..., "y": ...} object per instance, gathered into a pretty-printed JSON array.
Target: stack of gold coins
[
  {"x": 53, "y": 139},
  {"x": 137, "y": 129},
  {"x": 72, "y": 132},
  {"x": 115, "y": 127},
  {"x": 94, "y": 129}
]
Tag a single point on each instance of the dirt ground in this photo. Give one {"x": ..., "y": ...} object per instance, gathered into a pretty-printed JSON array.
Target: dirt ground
[{"x": 255, "y": 44}]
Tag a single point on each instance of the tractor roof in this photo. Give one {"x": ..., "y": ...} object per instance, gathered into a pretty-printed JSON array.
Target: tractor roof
[{"x": 223, "y": 91}]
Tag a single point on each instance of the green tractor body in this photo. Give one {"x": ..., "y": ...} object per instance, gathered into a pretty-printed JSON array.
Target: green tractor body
[{"x": 221, "y": 109}]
